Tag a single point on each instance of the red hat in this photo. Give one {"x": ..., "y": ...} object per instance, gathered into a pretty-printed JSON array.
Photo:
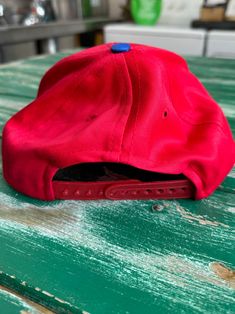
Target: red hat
[{"x": 130, "y": 106}]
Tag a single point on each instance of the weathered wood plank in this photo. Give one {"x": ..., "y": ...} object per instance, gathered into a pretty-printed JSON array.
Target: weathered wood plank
[
  {"x": 117, "y": 256},
  {"x": 39, "y": 299},
  {"x": 13, "y": 303}
]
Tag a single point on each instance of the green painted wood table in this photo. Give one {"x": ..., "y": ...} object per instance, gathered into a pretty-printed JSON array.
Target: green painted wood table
[{"x": 116, "y": 257}]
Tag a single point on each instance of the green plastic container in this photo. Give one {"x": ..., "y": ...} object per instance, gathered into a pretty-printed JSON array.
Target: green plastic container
[{"x": 146, "y": 12}]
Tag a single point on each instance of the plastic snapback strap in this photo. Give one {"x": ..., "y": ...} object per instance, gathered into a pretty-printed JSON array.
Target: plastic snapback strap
[{"x": 123, "y": 190}]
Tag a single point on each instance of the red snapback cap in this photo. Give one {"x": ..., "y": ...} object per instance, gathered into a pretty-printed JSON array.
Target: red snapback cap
[{"x": 135, "y": 113}]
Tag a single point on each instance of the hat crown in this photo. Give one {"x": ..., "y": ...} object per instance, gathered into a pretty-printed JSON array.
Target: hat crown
[{"x": 141, "y": 107}]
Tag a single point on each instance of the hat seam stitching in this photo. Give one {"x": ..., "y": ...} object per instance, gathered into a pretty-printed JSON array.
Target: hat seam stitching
[
  {"x": 219, "y": 126},
  {"x": 85, "y": 73},
  {"x": 114, "y": 124},
  {"x": 205, "y": 192},
  {"x": 184, "y": 118},
  {"x": 81, "y": 54},
  {"x": 126, "y": 100},
  {"x": 115, "y": 58},
  {"x": 59, "y": 63},
  {"x": 138, "y": 104},
  {"x": 195, "y": 170},
  {"x": 49, "y": 193}
]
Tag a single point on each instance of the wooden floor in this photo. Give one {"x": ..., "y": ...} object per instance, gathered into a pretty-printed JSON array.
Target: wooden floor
[{"x": 116, "y": 257}]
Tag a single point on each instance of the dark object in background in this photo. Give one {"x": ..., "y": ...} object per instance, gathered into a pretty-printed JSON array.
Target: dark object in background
[
  {"x": 126, "y": 11},
  {"x": 213, "y": 13},
  {"x": 214, "y": 17},
  {"x": 224, "y": 25},
  {"x": 49, "y": 11},
  {"x": 87, "y": 39}
]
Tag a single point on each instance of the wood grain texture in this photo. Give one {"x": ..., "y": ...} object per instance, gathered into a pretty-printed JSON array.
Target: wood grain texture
[
  {"x": 13, "y": 302},
  {"x": 122, "y": 257},
  {"x": 41, "y": 300}
]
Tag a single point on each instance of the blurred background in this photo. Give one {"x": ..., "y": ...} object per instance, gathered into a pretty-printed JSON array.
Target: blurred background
[{"x": 188, "y": 27}]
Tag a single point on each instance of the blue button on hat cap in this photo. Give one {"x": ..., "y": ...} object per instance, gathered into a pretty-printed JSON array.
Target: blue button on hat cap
[{"x": 120, "y": 47}]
